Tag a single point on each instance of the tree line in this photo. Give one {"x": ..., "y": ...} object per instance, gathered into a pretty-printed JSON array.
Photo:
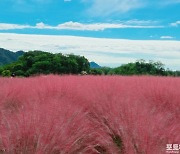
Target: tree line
[
  {"x": 140, "y": 67},
  {"x": 40, "y": 62}
]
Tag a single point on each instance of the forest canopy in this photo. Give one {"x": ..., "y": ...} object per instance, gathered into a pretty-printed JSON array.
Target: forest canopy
[{"x": 40, "y": 62}]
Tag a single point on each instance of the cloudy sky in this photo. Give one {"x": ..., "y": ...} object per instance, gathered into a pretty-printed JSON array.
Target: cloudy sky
[{"x": 110, "y": 32}]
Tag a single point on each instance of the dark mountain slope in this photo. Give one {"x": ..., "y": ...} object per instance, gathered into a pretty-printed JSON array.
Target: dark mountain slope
[
  {"x": 7, "y": 57},
  {"x": 94, "y": 65}
]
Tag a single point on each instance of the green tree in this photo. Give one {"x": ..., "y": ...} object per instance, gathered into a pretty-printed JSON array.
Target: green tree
[
  {"x": 40, "y": 62},
  {"x": 6, "y": 73},
  {"x": 141, "y": 67},
  {"x": 96, "y": 71},
  {"x": 1, "y": 70}
]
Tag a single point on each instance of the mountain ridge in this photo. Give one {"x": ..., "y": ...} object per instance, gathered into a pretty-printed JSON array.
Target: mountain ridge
[
  {"x": 7, "y": 56},
  {"x": 94, "y": 65}
]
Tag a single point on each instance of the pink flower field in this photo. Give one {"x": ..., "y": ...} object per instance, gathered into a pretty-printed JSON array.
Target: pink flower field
[{"x": 89, "y": 114}]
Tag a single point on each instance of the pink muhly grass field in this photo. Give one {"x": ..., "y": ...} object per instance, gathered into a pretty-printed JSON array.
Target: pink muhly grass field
[{"x": 89, "y": 114}]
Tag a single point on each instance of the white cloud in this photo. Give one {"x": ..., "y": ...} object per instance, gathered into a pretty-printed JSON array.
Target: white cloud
[
  {"x": 112, "y": 52},
  {"x": 41, "y": 25},
  {"x": 99, "y": 26},
  {"x": 141, "y": 22},
  {"x": 108, "y": 7},
  {"x": 6, "y": 26},
  {"x": 84, "y": 27},
  {"x": 175, "y": 24},
  {"x": 166, "y": 37},
  {"x": 111, "y": 7}
]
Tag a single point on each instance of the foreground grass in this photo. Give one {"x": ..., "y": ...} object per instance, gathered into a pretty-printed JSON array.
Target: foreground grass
[{"x": 87, "y": 114}]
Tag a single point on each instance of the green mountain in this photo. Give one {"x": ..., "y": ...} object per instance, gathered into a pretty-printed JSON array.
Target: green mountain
[{"x": 7, "y": 57}]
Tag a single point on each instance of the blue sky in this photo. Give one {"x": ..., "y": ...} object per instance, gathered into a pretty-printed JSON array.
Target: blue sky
[
  {"x": 129, "y": 19},
  {"x": 117, "y": 19}
]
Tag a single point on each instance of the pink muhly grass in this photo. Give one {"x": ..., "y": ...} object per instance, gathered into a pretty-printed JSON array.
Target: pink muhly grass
[{"x": 88, "y": 114}]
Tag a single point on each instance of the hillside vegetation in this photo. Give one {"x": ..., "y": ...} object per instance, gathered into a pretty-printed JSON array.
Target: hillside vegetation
[
  {"x": 40, "y": 62},
  {"x": 89, "y": 114}
]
